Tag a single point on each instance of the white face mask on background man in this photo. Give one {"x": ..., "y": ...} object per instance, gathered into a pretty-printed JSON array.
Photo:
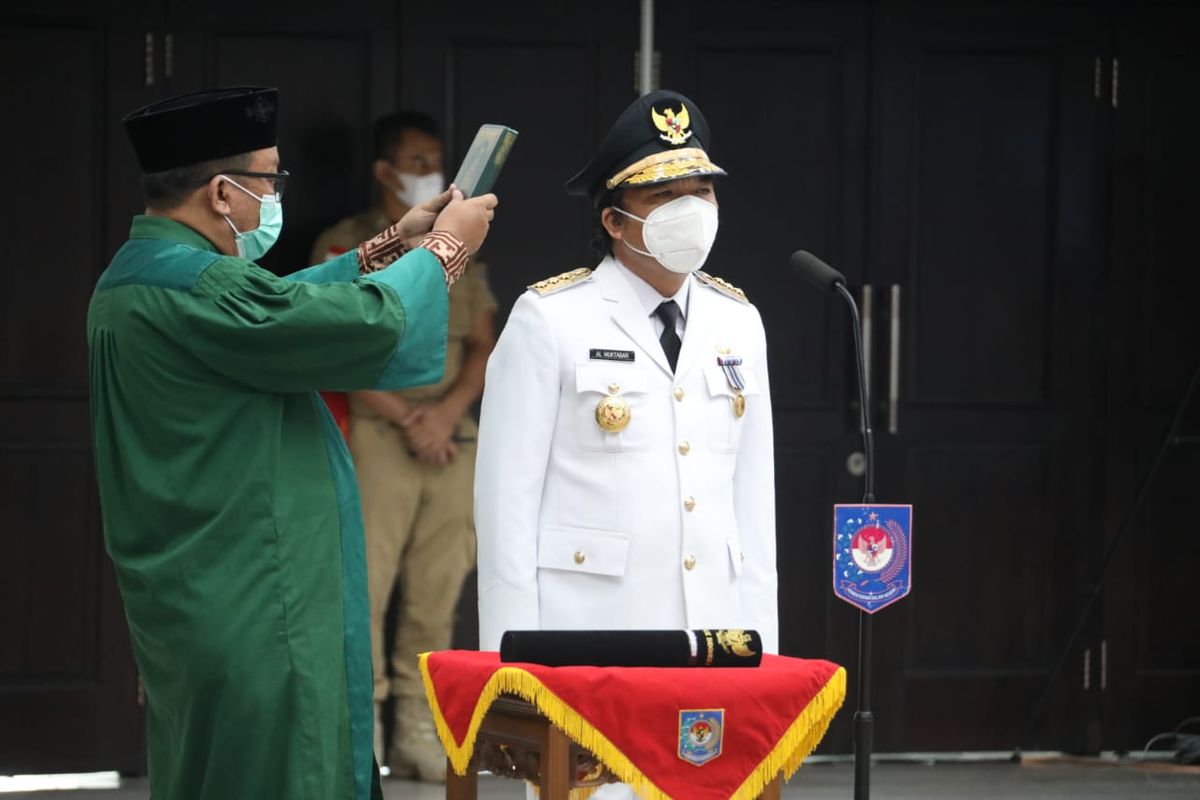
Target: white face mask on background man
[
  {"x": 416, "y": 189},
  {"x": 678, "y": 234}
]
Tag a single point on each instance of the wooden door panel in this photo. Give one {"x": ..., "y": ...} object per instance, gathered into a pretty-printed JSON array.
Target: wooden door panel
[
  {"x": 954, "y": 626},
  {"x": 71, "y": 176},
  {"x": 67, "y": 680},
  {"x": 986, "y": 156},
  {"x": 1167, "y": 276},
  {"x": 50, "y": 635},
  {"x": 1150, "y": 640},
  {"x": 978, "y": 279}
]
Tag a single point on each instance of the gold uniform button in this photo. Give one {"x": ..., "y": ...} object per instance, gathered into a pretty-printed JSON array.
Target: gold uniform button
[
  {"x": 678, "y": 393},
  {"x": 684, "y": 448},
  {"x": 580, "y": 557},
  {"x": 613, "y": 388},
  {"x": 689, "y": 504},
  {"x": 689, "y": 563}
]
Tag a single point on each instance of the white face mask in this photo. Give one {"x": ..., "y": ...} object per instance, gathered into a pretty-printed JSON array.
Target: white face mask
[
  {"x": 416, "y": 189},
  {"x": 679, "y": 234}
]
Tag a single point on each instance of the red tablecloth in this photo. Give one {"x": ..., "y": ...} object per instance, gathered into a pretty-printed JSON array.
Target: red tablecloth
[{"x": 633, "y": 719}]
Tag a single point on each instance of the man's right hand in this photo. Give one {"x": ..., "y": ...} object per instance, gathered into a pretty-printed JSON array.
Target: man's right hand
[{"x": 469, "y": 220}]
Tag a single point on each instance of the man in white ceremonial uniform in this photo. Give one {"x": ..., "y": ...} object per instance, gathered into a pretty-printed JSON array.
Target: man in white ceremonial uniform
[
  {"x": 621, "y": 485},
  {"x": 625, "y": 470},
  {"x": 618, "y": 484}
]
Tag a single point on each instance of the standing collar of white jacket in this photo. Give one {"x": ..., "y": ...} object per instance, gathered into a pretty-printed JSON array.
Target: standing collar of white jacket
[{"x": 649, "y": 298}]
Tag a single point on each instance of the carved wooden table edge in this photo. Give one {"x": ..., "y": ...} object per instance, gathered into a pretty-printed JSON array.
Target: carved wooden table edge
[{"x": 514, "y": 740}]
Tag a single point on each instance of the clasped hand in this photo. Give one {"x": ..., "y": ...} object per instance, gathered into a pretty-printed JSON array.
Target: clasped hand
[
  {"x": 429, "y": 430},
  {"x": 469, "y": 220}
]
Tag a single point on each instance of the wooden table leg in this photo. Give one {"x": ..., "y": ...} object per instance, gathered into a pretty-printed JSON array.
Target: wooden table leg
[
  {"x": 556, "y": 766},
  {"x": 461, "y": 787},
  {"x": 774, "y": 790}
]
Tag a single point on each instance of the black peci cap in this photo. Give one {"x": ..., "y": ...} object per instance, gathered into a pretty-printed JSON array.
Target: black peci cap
[
  {"x": 202, "y": 126},
  {"x": 661, "y": 136}
]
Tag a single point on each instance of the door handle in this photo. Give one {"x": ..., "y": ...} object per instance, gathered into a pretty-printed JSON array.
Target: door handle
[
  {"x": 894, "y": 363},
  {"x": 148, "y": 58},
  {"x": 868, "y": 306}
]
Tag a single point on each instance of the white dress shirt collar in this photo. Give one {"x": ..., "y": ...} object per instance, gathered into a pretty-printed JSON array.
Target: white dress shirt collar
[{"x": 650, "y": 299}]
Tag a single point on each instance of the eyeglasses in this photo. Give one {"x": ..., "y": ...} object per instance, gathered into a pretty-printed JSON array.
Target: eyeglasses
[{"x": 278, "y": 179}]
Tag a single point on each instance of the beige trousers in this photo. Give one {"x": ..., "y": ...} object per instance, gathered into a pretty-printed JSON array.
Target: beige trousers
[{"x": 420, "y": 536}]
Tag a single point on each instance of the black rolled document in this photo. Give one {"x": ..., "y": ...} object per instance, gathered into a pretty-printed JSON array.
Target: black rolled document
[{"x": 704, "y": 648}]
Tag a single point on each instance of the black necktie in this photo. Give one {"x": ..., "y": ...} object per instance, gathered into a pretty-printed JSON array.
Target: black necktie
[{"x": 669, "y": 313}]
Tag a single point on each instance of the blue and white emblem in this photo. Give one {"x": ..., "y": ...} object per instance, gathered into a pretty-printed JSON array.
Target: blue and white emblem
[
  {"x": 872, "y": 554},
  {"x": 700, "y": 734}
]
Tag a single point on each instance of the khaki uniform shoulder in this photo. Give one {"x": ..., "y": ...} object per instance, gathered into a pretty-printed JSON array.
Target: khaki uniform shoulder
[
  {"x": 560, "y": 282},
  {"x": 723, "y": 286}
]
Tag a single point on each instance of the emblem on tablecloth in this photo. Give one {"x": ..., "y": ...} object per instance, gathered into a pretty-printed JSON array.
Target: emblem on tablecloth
[
  {"x": 872, "y": 554},
  {"x": 700, "y": 734}
]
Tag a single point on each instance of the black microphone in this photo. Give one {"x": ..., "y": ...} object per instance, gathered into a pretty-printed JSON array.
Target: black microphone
[
  {"x": 825, "y": 277},
  {"x": 828, "y": 279},
  {"x": 816, "y": 271}
]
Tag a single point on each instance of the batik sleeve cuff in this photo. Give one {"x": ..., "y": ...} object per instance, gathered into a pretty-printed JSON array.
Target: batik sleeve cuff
[
  {"x": 449, "y": 250},
  {"x": 376, "y": 254}
]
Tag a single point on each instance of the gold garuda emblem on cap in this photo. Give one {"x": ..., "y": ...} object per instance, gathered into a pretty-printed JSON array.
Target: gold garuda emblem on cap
[{"x": 673, "y": 124}]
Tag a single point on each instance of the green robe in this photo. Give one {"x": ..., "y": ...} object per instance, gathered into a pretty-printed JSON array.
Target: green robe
[{"x": 230, "y": 506}]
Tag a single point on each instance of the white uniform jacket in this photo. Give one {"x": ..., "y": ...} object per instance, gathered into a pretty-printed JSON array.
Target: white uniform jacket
[{"x": 669, "y": 523}]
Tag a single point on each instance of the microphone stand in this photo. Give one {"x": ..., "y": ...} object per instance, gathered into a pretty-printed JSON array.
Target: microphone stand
[{"x": 864, "y": 720}]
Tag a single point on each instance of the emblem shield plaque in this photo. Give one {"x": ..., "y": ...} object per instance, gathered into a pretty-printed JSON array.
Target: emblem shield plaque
[{"x": 872, "y": 554}]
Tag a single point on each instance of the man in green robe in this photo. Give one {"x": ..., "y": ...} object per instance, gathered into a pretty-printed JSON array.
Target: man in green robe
[{"x": 229, "y": 502}]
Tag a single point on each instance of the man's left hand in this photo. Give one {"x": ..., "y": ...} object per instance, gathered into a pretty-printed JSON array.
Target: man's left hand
[{"x": 419, "y": 219}]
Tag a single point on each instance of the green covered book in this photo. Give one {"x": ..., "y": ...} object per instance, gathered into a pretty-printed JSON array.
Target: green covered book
[{"x": 484, "y": 160}]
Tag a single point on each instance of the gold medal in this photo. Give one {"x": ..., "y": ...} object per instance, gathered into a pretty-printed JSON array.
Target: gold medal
[
  {"x": 730, "y": 363},
  {"x": 613, "y": 414}
]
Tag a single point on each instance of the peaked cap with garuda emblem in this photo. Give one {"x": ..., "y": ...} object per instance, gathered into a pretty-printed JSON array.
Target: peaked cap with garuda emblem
[
  {"x": 203, "y": 126},
  {"x": 661, "y": 136}
]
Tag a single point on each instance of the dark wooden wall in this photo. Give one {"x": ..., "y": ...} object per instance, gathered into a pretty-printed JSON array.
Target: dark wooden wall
[{"x": 1023, "y": 175}]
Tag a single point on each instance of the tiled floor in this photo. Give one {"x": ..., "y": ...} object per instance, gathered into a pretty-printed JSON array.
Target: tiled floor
[{"x": 944, "y": 781}]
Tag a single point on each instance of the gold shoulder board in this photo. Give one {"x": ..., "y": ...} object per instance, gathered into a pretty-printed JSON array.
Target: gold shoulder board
[
  {"x": 723, "y": 286},
  {"x": 560, "y": 282}
]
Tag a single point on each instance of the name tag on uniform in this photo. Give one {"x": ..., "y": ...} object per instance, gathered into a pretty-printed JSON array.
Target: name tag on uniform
[{"x": 597, "y": 354}]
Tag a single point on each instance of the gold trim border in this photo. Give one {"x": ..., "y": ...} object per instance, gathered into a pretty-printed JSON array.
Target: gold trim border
[{"x": 655, "y": 159}]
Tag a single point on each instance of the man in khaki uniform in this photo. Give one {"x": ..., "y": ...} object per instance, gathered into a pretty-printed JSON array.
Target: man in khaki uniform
[{"x": 414, "y": 453}]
